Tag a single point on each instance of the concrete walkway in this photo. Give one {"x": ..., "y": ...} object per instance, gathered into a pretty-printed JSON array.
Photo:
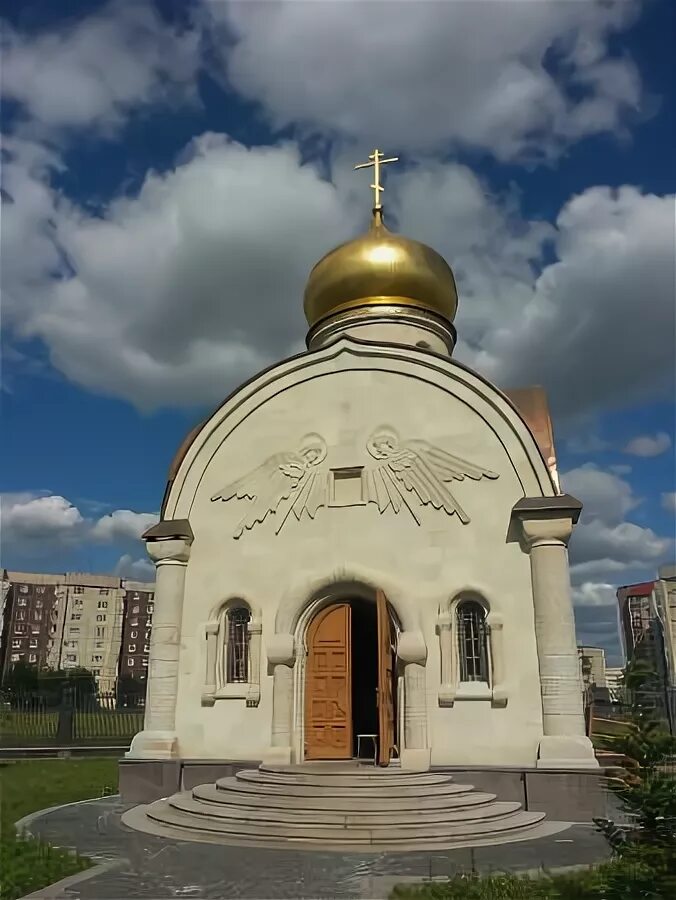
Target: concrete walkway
[{"x": 134, "y": 865}]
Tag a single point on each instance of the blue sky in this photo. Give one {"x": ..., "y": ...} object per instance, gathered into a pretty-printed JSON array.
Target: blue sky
[{"x": 173, "y": 169}]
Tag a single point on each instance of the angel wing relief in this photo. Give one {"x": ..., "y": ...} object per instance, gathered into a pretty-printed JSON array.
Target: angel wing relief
[
  {"x": 400, "y": 475},
  {"x": 410, "y": 474},
  {"x": 285, "y": 484}
]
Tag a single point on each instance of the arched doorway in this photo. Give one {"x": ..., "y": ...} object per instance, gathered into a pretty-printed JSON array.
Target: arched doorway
[{"x": 350, "y": 675}]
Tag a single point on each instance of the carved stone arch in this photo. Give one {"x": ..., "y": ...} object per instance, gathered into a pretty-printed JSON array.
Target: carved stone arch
[
  {"x": 215, "y": 632},
  {"x": 452, "y": 688},
  {"x": 466, "y": 386},
  {"x": 305, "y": 590}
]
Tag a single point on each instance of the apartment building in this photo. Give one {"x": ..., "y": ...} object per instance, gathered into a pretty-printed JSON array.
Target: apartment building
[
  {"x": 139, "y": 604},
  {"x": 32, "y": 620},
  {"x": 93, "y": 625},
  {"x": 593, "y": 666},
  {"x": 76, "y": 620},
  {"x": 648, "y": 627}
]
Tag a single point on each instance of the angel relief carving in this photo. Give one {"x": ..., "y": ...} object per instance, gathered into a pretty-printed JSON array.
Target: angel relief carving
[{"x": 400, "y": 475}]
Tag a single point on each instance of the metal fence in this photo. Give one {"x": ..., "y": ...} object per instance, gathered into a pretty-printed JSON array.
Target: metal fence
[{"x": 69, "y": 720}]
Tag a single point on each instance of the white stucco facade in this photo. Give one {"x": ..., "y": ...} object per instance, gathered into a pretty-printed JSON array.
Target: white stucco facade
[{"x": 512, "y": 561}]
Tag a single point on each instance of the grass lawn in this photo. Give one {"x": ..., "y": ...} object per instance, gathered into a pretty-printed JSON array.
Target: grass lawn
[{"x": 26, "y": 786}]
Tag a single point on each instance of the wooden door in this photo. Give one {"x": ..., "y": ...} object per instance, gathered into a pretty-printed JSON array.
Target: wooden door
[
  {"x": 386, "y": 738},
  {"x": 328, "y": 685}
]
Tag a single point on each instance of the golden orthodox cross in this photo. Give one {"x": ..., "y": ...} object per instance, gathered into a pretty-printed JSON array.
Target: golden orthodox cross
[{"x": 376, "y": 160}]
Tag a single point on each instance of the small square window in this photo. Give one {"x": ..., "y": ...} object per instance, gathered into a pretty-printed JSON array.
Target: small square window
[
  {"x": 40, "y": 589},
  {"x": 103, "y": 604},
  {"x": 75, "y": 617},
  {"x": 16, "y": 645},
  {"x": 103, "y": 591},
  {"x": 135, "y": 610},
  {"x": 23, "y": 588},
  {"x": 145, "y": 662},
  {"x": 16, "y": 657},
  {"x": 38, "y": 604},
  {"x": 19, "y": 629},
  {"x": 21, "y": 614},
  {"x": 78, "y": 589},
  {"x": 132, "y": 648},
  {"x": 134, "y": 634},
  {"x": 130, "y": 662},
  {"x": 32, "y": 657},
  {"x": 22, "y": 601},
  {"x": 101, "y": 618},
  {"x": 33, "y": 643}
]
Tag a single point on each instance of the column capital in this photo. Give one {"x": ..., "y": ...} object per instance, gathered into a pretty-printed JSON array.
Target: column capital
[
  {"x": 169, "y": 541},
  {"x": 545, "y": 520}
]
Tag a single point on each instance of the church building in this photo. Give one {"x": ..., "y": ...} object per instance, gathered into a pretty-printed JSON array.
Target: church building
[{"x": 363, "y": 551}]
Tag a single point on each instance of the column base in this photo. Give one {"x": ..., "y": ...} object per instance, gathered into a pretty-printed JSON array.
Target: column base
[
  {"x": 416, "y": 760},
  {"x": 573, "y": 751},
  {"x": 153, "y": 745},
  {"x": 277, "y": 756}
]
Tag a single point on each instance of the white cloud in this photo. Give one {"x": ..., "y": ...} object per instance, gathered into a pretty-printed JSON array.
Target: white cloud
[
  {"x": 668, "y": 500},
  {"x": 605, "y": 546},
  {"x": 135, "y": 569},
  {"x": 174, "y": 295},
  {"x": 122, "y": 525},
  {"x": 648, "y": 445},
  {"x": 593, "y": 593},
  {"x": 30, "y": 518},
  {"x": 39, "y": 522},
  {"x": 420, "y": 75},
  {"x": 93, "y": 72},
  {"x": 620, "y": 469},
  {"x": 581, "y": 322}
]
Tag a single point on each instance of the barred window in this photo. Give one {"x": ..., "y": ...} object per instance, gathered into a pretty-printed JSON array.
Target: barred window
[
  {"x": 237, "y": 651},
  {"x": 472, "y": 641}
]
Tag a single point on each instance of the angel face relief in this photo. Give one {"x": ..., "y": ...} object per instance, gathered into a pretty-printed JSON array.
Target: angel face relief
[{"x": 402, "y": 475}]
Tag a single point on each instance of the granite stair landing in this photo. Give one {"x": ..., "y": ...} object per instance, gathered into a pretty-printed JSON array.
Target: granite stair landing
[{"x": 337, "y": 807}]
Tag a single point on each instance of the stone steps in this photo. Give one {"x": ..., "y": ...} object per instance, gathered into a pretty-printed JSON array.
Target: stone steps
[
  {"x": 342, "y": 818},
  {"x": 209, "y": 793},
  {"x": 339, "y": 808}
]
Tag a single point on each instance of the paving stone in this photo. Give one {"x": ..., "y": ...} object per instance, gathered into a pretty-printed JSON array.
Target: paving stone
[{"x": 151, "y": 867}]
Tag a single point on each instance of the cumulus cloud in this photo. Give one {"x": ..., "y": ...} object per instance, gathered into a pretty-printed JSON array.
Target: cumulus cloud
[
  {"x": 173, "y": 295},
  {"x": 39, "y": 521},
  {"x": 591, "y": 593},
  {"x": 135, "y": 569},
  {"x": 122, "y": 525},
  {"x": 513, "y": 79},
  {"x": 605, "y": 544},
  {"x": 648, "y": 445},
  {"x": 29, "y": 518},
  {"x": 93, "y": 72}
]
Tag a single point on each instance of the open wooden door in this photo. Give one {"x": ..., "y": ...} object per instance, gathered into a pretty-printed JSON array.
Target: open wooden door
[
  {"x": 328, "y": 685},
  {"x": 386, "y": 737}
]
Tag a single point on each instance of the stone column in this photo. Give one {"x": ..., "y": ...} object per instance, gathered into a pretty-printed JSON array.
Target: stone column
[
  {"x": 281, "y": 658},
  {"x": 168, "y": 545},
  {"x": 546, "y": 525},
  {"x": 415, "y": 754}
]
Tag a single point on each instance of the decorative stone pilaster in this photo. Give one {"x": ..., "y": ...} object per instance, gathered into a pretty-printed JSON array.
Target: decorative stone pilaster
[
  {"x": 253, "y": 694},
  {"x": 545, "y": 525},
  {"x": 412, "y": 651},
  {"x": 448, "y": 684},
  {"x": 168, "y": 544},
  {"x": 209, "y": 690},
  {"x": 281, "y": 658}
]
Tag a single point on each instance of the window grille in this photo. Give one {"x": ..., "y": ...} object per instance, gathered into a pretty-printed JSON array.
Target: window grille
[
  {"x": 472, "y": 641},
  {"x": 237, "y": 653}
]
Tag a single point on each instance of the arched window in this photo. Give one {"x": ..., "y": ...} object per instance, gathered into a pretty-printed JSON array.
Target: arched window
[
  {"x": 237, "y": 651},
  {"x": 232, "y": 656},
  {"x": 472, "y": 641}
]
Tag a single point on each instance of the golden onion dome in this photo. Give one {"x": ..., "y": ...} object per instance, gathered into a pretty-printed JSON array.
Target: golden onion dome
[{"x": 380, "y": 268}]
